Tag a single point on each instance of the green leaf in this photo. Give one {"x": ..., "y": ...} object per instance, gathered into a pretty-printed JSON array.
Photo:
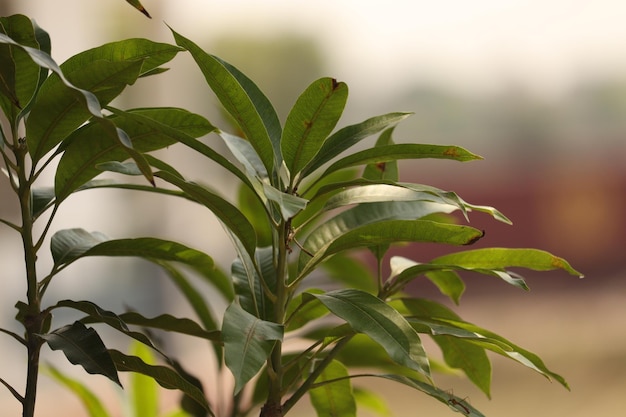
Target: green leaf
[
  {"x": 350, "y": 135},
  {"x": 82, "y": 346},
  {"x": 147, "y": 129},
  {"x": 405, "y": 270},
  {"x": 289, "y": 204},
  {"x": 371, "y": 400},
  {"x": 137, "y": 5},
  {"x": 71, "y": 244},
  {"x": 383, "y": 170},
  {"x": 248, "y": 342},
  {"x": 243, "y": 100},
  {"x": 385, "y": 232},
  {"x": 350, "y": 272},
  {"x": 171, "y": 324},
  {"x": 401, "y": 151},
  {"x": 335, "y": 398},
  {"x": 455, "y": 403},
  {"x": 369, "y": 315},
  {"x": 500, "y": 258},
  {"x": 488, "y": 340},
  {"x": 92, "y": 403},
  {"x": 151, "y": 54},
  {"x": 57, "y": 112},
  {"x": 310, "y": 121},
  {"x": 143, "y": 389},
  {"x": 19, "y": 75},
  {"x": 457, "y": 352},
  {"x": 164, "y": 376},
  {"x": 303, "y": 310},
  {"x": 235, "y": 222},
  {"x": 249, "y": 287}
]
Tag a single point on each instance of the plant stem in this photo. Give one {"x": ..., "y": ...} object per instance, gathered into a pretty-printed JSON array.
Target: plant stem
[{"x": 32, "y": 319}]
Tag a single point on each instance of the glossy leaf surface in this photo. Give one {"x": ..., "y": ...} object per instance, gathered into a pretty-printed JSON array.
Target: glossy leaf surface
[
  {"x": 370, "y": 315},
  {"x": 82, "y": 346},
  {"x": 248, "y": 342}
]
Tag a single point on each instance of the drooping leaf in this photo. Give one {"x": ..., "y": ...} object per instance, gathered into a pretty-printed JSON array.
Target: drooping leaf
[
  {"x": 368, "y": 314},
  {"x": 88, "y": 398},
  {"x": 490, "y": 341},
  {"x": 235, "y": 222},
  {"x": 455, "y": 403},
  {"x": 310, "y": 121},
  {"x": 82, "y": 346},
  {"x": 350, "y": 135},
  {"x": 147, "y": 129},
  {"x": 333, "y": 399},
  {"x": 243, "y": 100},
  {"x": 164, "y": 376},
  {"x": 248, "y": 342},
  {"x": 457, "y": 352}
]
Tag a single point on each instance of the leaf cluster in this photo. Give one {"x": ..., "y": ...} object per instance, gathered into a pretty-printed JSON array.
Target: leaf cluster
[{"x": 303, "y": 313}]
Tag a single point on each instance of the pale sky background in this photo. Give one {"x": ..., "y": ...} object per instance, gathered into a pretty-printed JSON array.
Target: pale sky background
[{"x": 545, "y": 45}]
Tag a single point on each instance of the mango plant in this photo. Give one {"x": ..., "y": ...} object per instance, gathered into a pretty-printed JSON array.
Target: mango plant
[
  {"x": 304, "y": 314},
  {"x": 55, "y": 114}
]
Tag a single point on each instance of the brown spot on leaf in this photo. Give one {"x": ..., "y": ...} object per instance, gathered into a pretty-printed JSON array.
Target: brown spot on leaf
[{"x": 475, "y": 239}]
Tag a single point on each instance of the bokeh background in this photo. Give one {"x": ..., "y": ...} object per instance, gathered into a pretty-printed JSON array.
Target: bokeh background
[{"x": 538, "y": 88}]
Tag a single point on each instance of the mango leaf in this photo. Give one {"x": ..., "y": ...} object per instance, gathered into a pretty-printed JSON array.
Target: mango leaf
[
  {"x": 19, "y": 75},
  {"x": 137, "y": 5},
  {"x": 335, "y": 398},
  {"x": 151, "y": 54},
  {"x": 171, "y": 324},
  {"x": 401, "y": 151},
  {"x": 248, "y": 342},
  {"x": 389, "y": 232},
  {"x": 235, "y": 222},
  {"x": 368, "y": 314},
  {"x": 383, "y": 170},
  {"x": 244, "y": 101},
  {"x": 147, "y": 129},
  {"x": 310, "y": 121},
  {"x": 71, "y": 244},
  {"x": 350, "y": 135},
  {"x": 57, "y": 112},
  {"x": 457, "y": 404},
  {"x": 457, "y": 352},
  {"x": 303, "y": 310},
  {"x": 500, "y": 258},
  {"x": 143, "y": 389},
  {"x": 289, "y": 204},
  {"x": 488, "y": 340},
  {"x": 82, "y": 346},
  {"x": 250, "y": 289},
  {"x": 245, "y": 153},
  {"x": 164, "y": 376},
  {"x": 88, "y": 398},
  {"x": 350, "y": 272}
]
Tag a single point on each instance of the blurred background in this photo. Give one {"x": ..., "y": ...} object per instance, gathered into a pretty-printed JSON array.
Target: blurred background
[{"x": 538, "y": 88}]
